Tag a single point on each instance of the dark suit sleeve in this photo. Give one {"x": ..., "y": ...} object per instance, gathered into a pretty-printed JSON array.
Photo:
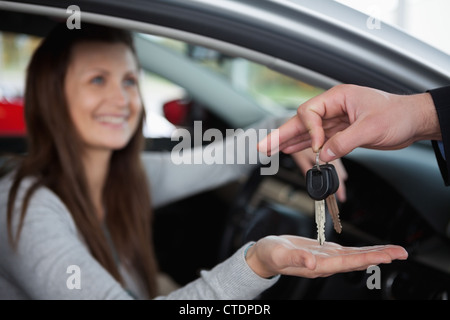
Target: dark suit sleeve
[{"x": 441, "y": 99}]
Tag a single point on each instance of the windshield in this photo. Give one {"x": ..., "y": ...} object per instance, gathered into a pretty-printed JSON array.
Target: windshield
[{"x": 423, "y": 19}]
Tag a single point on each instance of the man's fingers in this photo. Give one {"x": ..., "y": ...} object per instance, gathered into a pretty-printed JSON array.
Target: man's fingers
[
  {"x": 311, "y": 115},
  {"x": 344, "y": 142},
  {"x": 294, "y": 146},
  {"x": 290, "y": 133},
  {"x": 291, "y": 129}
]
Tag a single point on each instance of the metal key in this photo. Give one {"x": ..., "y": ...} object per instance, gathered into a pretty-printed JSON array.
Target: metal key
[
  {"x": 320, "y": 220},
  {"x": 321, "y": 183},
  {"x": 333, "y": 209},
  {"x": 331, "y": 202},
  {"x": 318, "y": 186}
]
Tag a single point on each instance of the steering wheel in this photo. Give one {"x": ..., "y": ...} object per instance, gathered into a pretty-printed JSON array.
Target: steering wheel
[{"x": 239, "y": 215}]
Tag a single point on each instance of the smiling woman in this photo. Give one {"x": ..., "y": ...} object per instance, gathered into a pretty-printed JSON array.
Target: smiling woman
[
  {"x": 101, "y": 87},
  {"x": 72, "y": 147}
]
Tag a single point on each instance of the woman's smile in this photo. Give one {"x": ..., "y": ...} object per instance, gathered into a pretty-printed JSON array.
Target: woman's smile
[
  {"x": 114, "y": 121},
  {"x": 102, "y": 90}
]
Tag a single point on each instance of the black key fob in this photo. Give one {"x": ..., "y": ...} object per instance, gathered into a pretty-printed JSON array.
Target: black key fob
[{"x": 322, "y": 181}]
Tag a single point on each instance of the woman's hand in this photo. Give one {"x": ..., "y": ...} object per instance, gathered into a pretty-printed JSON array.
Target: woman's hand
[{"x": 304, "y": 257}]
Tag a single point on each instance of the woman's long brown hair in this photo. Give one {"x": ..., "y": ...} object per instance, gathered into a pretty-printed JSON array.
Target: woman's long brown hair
[{"x": 53, "y": 159}]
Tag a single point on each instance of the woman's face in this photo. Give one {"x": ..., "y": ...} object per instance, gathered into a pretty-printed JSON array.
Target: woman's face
[{"x": 101, "y": 88}]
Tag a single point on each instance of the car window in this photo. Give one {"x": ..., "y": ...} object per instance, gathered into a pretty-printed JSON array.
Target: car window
[
  {"x": 268, "y": 87},
  {"x": 15, "y": 52},
  {"x": 156, "y": 92},
  {"x": 165, "y": 101}
]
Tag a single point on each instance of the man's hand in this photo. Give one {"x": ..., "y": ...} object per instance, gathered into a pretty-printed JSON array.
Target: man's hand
[{"x": 348, "y": 116}]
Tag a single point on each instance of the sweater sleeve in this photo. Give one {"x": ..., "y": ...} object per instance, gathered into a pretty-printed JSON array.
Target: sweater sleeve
[
  {"x": 185, "y": 172},
  {"x": 441, "y": 99},
  {"x": 232, "y": 279}
]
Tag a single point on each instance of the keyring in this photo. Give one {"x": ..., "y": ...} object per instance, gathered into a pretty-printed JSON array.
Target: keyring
[{"x": 317, "y": 160}]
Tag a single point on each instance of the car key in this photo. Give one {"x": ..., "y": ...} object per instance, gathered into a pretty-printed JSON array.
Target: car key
[
  {"x": 320, "y": 220},
  {"x": 331, "y": 202},
  {"x": 318, "y": 188},
  {"x": 321, "y": 183},
  {"x": 333, "y": 209}
]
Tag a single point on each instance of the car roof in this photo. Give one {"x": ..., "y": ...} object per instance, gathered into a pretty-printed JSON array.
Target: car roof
[{"x": 319, "y": 39}]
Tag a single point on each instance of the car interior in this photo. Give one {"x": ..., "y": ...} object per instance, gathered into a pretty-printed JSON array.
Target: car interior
[{"x": 257, "y": 206}]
